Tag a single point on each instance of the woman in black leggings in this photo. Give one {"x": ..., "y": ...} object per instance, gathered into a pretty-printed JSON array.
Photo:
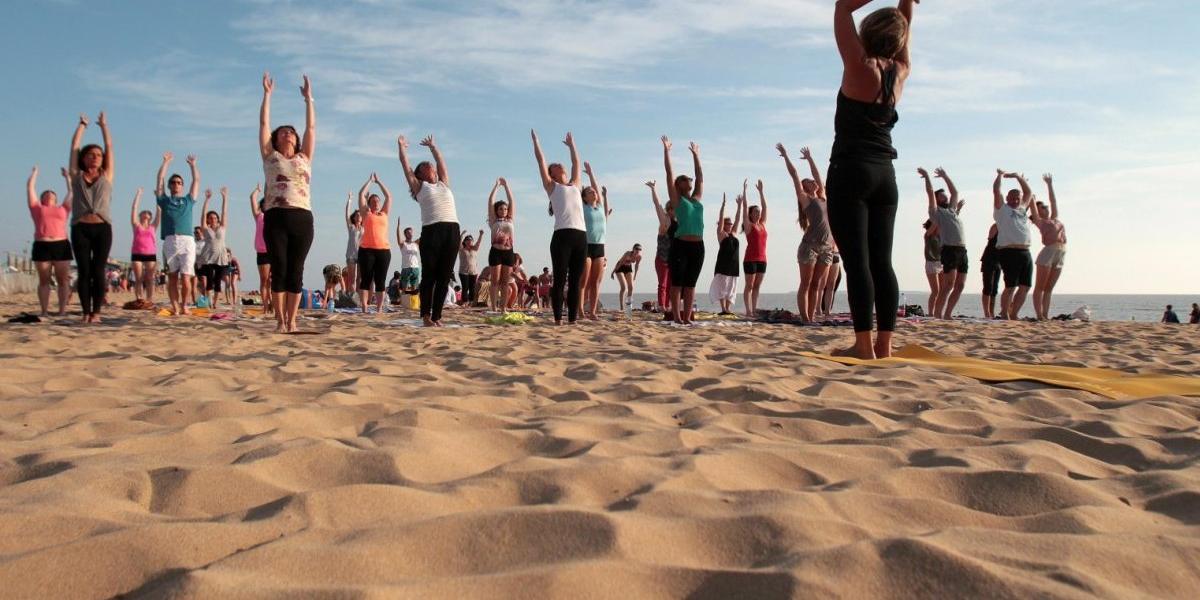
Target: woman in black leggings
[
  {"x": 91, "y": 177},
  {"x": 288, "y": 219},
  {"x": 861, "y": 185},
  {"x": 440, "y": 237},
  {"x": 568, "y": 245}
]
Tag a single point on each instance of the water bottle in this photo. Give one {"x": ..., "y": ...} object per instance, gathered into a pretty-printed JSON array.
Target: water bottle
[
  {"x": 629, "y": 309},
  {"x": 903, "y": 305},
  {"x": 329, "y": 306}
]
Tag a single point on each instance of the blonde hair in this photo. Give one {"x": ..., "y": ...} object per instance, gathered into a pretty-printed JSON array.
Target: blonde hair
[{"x": 884, "y": 33}]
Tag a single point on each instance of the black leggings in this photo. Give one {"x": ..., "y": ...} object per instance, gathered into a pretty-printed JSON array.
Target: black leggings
[
  {"x": 468, "y": 287},
  {"x": 862, "y": 216},
  {"x": 91, "y": 243},
  {"x": 439, "y": 251},
  {"x": 685, "y": 261},
  {"x": 568, "y": 251},
  {"x": 372, "y": 268},
  {"x": 288, "y": 233}
]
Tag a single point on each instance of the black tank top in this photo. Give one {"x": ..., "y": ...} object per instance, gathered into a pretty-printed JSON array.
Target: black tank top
[
  {"x": 863, "y": 130},
  {"x": 989, "y": 252},
  {"x": 727, "y": 257}
]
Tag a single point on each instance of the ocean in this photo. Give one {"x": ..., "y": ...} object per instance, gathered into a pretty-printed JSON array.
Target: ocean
[{"x": 1104, "y": 307}]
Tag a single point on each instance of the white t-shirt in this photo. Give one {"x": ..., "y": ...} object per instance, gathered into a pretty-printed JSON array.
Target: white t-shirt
[
  {"x": 567, "y": 202},
  {"x": 410, "y": 255},
  {"x": 437, "y": 204},
  {"x": 1012, "y": 226}
]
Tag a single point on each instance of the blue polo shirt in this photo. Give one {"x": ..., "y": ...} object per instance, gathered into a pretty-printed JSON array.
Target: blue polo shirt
[{"x": 176, "y": 215}]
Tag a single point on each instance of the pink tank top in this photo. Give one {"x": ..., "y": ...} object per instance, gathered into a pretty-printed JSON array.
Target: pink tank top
[
  {"x": 49, "y": 222},
  {"x": 756, "y": 244},
  {"x": 143, "y": 240},
  {"x": 260, "y": 244}
]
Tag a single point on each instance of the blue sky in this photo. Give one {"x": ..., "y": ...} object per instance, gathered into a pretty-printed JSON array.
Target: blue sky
[{"x": 1103, "y": 93}]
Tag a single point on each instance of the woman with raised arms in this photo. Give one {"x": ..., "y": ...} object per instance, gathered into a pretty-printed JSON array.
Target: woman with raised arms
[
  {"x": 595, "y": 217},
  {"x": 430, "y": 187},
  {"x": 288, "y": 224},
  {"x": 144, "y": 253},
  {"x": 568, "y": 245},
  {"x": 1054, "y": 250},
  {"x": 374, "y": 250},
  {"x": 687, "y": 248},
  {"x": 815, "y": 253},
  {"x": 91, "y": 173},
  {"x": 501, "y": 257},
  {"x": 723, "y": 289},
  {"x": 861, "y": 182},
  {"x": 51, "y": 250}
]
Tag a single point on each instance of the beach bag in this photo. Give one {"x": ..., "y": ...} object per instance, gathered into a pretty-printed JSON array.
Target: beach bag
[{"x": 1083, "y": 313}]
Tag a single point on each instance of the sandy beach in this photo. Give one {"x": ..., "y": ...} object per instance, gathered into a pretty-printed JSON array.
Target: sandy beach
[{"x": 182, "y": 457}]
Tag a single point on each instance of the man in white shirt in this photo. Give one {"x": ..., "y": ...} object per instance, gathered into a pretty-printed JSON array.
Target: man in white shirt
[{"x": 1011, "y": 213}]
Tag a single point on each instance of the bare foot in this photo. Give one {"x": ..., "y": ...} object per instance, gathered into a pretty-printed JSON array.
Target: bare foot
[
  {"x": 427, "y": 322},
  {"x": 853, "y": 352},
  {"x": 883, "y": 351},
  {"x": 279, "y": 328}
]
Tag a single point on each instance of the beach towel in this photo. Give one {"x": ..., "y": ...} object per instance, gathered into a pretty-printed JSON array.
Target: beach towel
[{"x": 1114, "y": 384}]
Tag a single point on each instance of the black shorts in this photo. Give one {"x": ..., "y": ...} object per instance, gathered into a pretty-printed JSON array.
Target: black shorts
[
  {"x": 1017, "y": 266},
  {"x": 501, "y": 258},
  {"x": 625, "y": 269},
  {"x": 213, "y": 274},
  {"x": 143, "y": 258},
  {"x": 595, "y": 251},
  {"x": 954, "y": 258},
  {"x": 754, "y": 267},
  {"x": 52, "y": 251},
  {"x": 991, "y": 278},
  {"x": 263, "y": 259},
  {"x": 685, "y": 262}
]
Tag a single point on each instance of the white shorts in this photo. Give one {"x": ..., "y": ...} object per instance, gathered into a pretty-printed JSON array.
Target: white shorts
[
  {"x": 933, "y": 267},
  {"x": 180, "y": 254},
  {"x": 1052, "y": 256},
  {"x": 723, "y": 287}
]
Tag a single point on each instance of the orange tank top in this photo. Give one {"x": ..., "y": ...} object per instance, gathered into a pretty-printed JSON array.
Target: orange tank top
[{"x": 375, "y": 232}]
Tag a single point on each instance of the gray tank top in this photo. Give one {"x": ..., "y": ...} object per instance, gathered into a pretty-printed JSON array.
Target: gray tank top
[
  {"x": 817, "y": 233},
  {"x": 214, "y": 247},
  {"x": 91, "y": 199}
]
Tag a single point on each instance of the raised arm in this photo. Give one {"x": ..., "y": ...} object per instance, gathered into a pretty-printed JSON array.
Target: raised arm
[
  {"x": 801, "y": 195},
  {"x": 478, "y": 241},
  {"x": 76, "y": 140},
  {"x": 762, "y": 202},
  {"x": 721, "y": 219},
  {"x": 928, "y": 191},
  {"x": 309, "y": 144},
  {"x": 1026, "y": 192},
  {"x": 264, "y": 116},
  {"x": 491, "y": 202},
  {"x": 387, "y": 194},
  {"x": 224, "y": 207},
  {"x": 414, "y": 185},
  {"x": 70, "y": 197},
  {"x": 204, "y": 210},
  {"x": 1049, "y": 179},
  {"x": 109, "y": 166},
  {"x": 134, "y": 210},
  {"x": 739, "y": 218},
  {"x": 672, "y": 195},
  {"x": 664, "y": 220},
  {"x": 743, "y": 206},
  {"x": 997, "y": 197},
  {"x": 587, "y": 168},
  {"x": 570, "y": 143},
  {"x": 443, "y": 174},
  {"x": 31, "y": 195},
  {"x": 806, "y": 154},
  {"x": 362, "y": 195},
  {"x": 698, "y": 186},
  {"x": 160, "y": 185},
  {"x": 604, "y": 197},
  {"x": 940, "y": 173},
  {"x": 543, "y": 172},
  {"x": 195, "y": 189},
  {"x": 157, "y": 214},
  {"x": 399, "y": 235},
  {"x": 844, "y": 33},
  {"x": 906, "y": 8},
  {"x": 512, "y": 202},
  {"x": 349, "y": 199}
]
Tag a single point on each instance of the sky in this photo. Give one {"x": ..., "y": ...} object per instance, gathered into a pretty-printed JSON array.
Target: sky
[{"x": 1102, "y": 93}]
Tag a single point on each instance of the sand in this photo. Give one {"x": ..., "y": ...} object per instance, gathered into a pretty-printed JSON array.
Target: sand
[{"x": 158, "y": 457}]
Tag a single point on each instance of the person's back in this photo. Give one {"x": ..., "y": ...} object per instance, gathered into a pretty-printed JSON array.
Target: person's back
[
  {"x": 1169, "y": 315},
  {"x": 1195, "y": 319}
]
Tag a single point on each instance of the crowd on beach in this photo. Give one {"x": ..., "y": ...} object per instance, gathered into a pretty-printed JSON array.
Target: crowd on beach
[{"x": 847, "y": 218}]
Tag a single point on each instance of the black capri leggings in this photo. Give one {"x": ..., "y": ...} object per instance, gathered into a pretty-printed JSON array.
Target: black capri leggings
[
  {"x": 468, "y": 287},
  {"x": 288, "y": 233},
  {"x": 439, "y": 251},
  {"x": 568, "y": 251},
  {"x": 91, "y": 242},
  {"x": 991, "y": 278},
  {"x": 372, "y": 269},
  {"x": 862, "y": 216},
  {"x": 685, "y": 261}
]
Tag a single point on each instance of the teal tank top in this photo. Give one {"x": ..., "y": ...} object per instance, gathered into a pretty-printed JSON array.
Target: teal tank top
[
  {"x": 690, "y": 215},
  {"x": 596, "y": 223}
]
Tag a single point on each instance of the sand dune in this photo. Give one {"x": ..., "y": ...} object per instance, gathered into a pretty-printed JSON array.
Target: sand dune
[{"x": 186, "y": 458}]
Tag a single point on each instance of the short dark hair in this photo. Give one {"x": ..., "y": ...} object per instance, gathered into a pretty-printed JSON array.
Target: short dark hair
[{"x": 275, "y": 135}]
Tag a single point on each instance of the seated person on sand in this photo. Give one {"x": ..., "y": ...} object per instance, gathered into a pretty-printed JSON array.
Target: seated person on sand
[{"x": 1169, "y": 315}]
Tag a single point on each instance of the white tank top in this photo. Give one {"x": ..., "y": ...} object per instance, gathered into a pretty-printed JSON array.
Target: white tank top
[
  {"x": 567, "y": 202},
  {"x": 437, "y": 204},
  {"x": 410, "y": 255}
]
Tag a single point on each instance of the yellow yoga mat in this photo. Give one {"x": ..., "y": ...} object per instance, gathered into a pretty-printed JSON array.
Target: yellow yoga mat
[{"x": 1117, "y": 385}]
